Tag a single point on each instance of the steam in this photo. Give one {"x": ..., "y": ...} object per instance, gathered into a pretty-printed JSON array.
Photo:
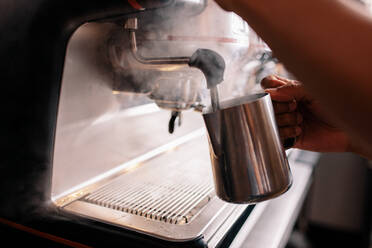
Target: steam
[{"x": 162, "y": 34}]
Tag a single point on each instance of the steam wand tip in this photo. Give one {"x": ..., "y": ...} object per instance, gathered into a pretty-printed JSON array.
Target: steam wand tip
[{"x": 215, "y": 99}]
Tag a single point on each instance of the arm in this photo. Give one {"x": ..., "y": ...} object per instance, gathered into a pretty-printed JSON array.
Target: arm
[{"x": 327, "y": 44}]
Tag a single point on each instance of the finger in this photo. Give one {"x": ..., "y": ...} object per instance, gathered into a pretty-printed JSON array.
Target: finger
[
  {"x": 289, "y": 132},
  {"x": 274, "y": 81},
  {"x": 287, "y": 93},
  {"x": 278, "y": 96},
  {"x": 288, "y": 119},
  {"x": 286, "y": 80},
  {"x": 271, "y": 82},
  {"x": 284, "y": 107}
]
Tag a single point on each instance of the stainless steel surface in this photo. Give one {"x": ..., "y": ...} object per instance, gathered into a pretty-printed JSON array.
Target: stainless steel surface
[
  {"x": 211, "y": 220},
  {"x": 103, "y": 134},
  {"x": 158, "y": 198},
  {"x": 271, "y": 223},
  {"x": 169, "y": 196},
  {"x": 248, "y": 160},
  {"x": 99, "y": 129}
]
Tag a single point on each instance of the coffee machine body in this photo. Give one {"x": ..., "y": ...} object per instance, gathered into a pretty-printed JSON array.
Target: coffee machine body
[{"x": 68, "y": 77}]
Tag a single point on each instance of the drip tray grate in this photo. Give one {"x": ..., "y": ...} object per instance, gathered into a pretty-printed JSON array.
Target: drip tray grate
[{"x": 172, "y": 195}]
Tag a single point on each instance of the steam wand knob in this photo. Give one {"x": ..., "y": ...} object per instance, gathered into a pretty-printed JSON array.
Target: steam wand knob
[{"x": 213, "y": 67}]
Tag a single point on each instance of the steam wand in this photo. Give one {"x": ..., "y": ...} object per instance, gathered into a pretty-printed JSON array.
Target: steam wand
[
  {"x": 132, "y": 25},
  {"x": 209, "y": 62}
]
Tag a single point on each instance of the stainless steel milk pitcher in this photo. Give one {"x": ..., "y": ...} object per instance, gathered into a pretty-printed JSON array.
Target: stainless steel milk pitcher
[{"x": 249, "y": 162}]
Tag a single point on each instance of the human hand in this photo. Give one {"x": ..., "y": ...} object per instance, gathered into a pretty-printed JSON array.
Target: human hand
[{"x": 299, "y": 116}]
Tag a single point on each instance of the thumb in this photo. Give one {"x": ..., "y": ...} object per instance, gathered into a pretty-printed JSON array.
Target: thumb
[{"x": 272, "y": 82}]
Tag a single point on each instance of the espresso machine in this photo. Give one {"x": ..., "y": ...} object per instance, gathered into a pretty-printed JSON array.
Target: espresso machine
[{"x": 102, "y": 137}]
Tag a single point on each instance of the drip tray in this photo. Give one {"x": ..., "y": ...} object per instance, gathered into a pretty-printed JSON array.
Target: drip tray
[
  {"x": 175, "y": 200},
  {"x": 170, "y": 196}
]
